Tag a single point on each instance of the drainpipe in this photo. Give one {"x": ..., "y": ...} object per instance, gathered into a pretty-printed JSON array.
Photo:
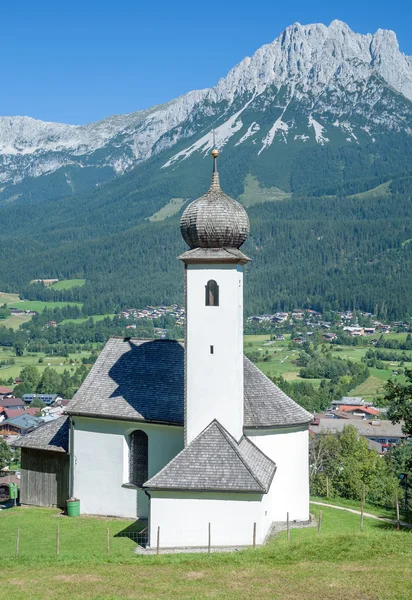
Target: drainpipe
[
  {"x": 71, "y": 458},
  {"x": 148, "y": 516}
]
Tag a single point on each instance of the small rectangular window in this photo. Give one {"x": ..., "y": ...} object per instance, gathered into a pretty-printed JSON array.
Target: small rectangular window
[{"x": 212, "y": 350}]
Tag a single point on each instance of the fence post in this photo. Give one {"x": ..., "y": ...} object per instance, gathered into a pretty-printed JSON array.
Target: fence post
[
  {"x": 158, "y": 540},
  {"x": 398, "y": 525},
  {"x": 288, "y": 526},
  {"x": 254, "y": 535},
  {"x": 17, "y": 541},
  {"x": 58, "y": 540},
  {"x": 209, "y": 538},
  {"x": 362, "y": 507},
  {"x": 320, "y": 521},
  {"x": 108, "y": 541}
]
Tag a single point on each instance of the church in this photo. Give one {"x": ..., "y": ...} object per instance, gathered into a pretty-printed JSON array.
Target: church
[{"x": 192, "y": 436}]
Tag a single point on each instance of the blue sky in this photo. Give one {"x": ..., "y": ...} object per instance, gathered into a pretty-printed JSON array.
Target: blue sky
[{"x": 78, "y": 62}]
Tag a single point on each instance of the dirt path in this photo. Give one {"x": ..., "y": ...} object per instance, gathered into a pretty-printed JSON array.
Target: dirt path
[{"x": 365, "y": 514}]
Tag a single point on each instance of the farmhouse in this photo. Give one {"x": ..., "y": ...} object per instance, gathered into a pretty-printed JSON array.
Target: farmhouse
[
  {"x": 192, "y": 434},
  {"x": 12, "y": 402},
  {"x": 19, "y": 425}
]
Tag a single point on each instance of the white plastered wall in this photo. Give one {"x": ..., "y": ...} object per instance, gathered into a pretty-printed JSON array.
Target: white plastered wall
[
  {"x": 101, "y": 464},
  {"x": 184, "y": 517},
  {"x": 289, "y": 492},
  {"x": 214, "y": 384}
]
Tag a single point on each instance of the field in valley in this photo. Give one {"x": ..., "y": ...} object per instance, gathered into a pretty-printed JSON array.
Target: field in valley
[
  {"x": 341, "y": 562},
  {"x": 57, "y": 362},
  {"x": 277, "y": 359}
]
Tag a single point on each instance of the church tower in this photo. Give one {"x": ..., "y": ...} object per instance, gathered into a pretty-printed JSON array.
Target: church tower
[{"x": 214, "y": 226}]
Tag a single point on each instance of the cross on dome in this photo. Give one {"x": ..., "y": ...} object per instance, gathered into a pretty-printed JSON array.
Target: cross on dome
[{"x": 214, "y": 220}]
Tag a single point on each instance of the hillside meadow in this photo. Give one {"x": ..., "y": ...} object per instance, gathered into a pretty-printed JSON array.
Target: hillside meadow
[{"x": 339, "y": 563}]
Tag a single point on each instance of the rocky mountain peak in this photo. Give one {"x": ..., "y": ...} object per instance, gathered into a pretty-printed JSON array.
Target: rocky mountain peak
[{"x": 328, "y": 72}]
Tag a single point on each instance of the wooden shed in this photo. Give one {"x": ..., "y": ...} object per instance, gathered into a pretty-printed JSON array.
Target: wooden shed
[{"x": 45, "y": 468}]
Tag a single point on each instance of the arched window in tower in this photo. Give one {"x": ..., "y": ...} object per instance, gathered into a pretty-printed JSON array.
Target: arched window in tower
[
  {"x": 138, "y": 458},
  {"x": 212, "y": 293}
]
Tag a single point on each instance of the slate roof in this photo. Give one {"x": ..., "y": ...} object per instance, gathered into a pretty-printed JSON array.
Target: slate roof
[
  {"x": 214, "y": 461},
  {"x": 144, "y": 380},
  {"x": 12, "y": 402},
  {"x": 136, "y": 380},
  {"x": 266, "y": 405},
  {"x": 50, "y": 436}
]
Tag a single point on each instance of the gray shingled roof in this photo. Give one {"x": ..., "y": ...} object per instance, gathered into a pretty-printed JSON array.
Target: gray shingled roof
[
  {"x": 266, "y": 405},
  {"x": 214, "y": 461},
  {"x": 136, "y": 380},
  {"x": 53, "y": 435},
  {"x": 144, "y": 380}
]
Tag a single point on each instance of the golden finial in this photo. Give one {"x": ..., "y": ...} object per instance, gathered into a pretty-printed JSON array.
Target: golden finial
[{"x": 215, "y": 152}]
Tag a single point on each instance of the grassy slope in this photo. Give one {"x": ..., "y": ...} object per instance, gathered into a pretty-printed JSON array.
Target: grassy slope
[
  {"x": 380, "y": 190},
  {"x": 379, "y": 511},
  {"x": 15, "y": 321},
  {"x": 5, "y": 298},
  {"x": 67, "y": 284},
  {"x": 339, "y": 563},
  {"x": 171, "y": 208},
  {"x": 254, "y": 193}
]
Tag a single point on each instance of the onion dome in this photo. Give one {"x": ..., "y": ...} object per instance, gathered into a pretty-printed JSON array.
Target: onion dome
[{"x": 214, "y": 220}]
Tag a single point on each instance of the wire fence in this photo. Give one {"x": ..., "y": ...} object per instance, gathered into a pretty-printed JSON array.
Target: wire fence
[{"x": 53, "y": 536}]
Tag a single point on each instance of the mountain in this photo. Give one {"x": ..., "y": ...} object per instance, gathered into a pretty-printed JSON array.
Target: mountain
[
  {"x": 313, "y": 85},
  {"x": 315, "y": 138}
]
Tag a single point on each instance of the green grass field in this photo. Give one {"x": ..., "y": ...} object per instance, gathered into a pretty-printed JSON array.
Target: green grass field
[
  {"x": 57, "y": 362},
  {"x": 68, "y": 284},
  {"x": 38, "y": 306},
  {"x": 339, "y": 563},
  {"x": 84, "y": 319}
]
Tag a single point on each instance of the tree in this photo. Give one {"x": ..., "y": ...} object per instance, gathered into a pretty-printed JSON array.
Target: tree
[
  {"x": 399, "y": 399},
  {"x": 5, "y": 454},
  {"x": 50, "y": 382},
  {"x": 349, "y": 465},
  {"x": 30, "y": 376},
  {"x": 37, "y": 403}
]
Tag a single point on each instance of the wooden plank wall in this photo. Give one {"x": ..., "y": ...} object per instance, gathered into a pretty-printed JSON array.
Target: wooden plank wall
[{"x": 44, "y": 478}]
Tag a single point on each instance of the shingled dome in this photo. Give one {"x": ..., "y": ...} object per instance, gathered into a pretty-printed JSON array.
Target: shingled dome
[{"x": 214, "y": 220}]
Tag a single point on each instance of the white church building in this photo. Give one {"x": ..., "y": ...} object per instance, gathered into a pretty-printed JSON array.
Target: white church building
[{"x": 187, "y": 435}]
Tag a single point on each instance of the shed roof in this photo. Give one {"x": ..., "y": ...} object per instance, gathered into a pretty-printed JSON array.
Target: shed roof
[
  {"x": 23, "y": 421},
  {"x": 50, "y": 436},
  {"x": 143, "y": 380},
  {"x": 214, "y": 461}
]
